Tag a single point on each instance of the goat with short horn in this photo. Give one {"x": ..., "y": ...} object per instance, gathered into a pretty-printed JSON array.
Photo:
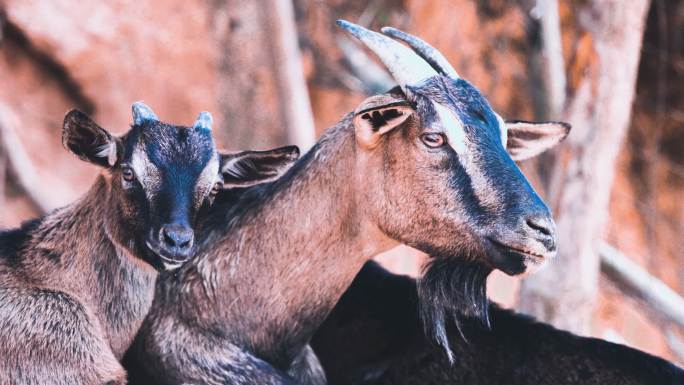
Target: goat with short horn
[{"x": 76, "y": 284}]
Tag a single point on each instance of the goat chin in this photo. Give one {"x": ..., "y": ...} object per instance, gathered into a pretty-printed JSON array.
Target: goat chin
[
  {"x": 533, "y": 266},
  {"x": 450, "y": 290}
]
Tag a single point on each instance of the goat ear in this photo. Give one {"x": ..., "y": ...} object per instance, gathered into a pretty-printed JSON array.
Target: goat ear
[
  {"x": 528, "y": 139},
  {"x": 377, "y": 116},
  {"x": 90, "y": 142},
  {"x": 248, "y": 168}
]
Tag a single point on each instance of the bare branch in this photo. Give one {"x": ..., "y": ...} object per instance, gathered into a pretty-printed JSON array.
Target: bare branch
[
  {"x": 636, "y": 281},
  {"x": 19, "y": 165},
  {"x": 675, "y": 344},
  {"x": 374, "y": 78},
  {"x": 2, "y": 24},
  {"x": 564, "y": 293},
  {"x": 552, "y": 51},
  {"x": 291, "y": 84},
  {"x": 369, "y": 13}
]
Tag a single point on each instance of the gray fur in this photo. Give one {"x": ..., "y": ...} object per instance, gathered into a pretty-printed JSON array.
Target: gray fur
[
  {"x": 306, "y": 369},
  {"x": 71, "y": 300}
]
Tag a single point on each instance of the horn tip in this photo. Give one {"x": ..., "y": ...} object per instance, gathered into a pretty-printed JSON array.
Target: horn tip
[
  {"x": 350, "y": 27},
  {"x": 142, "y": 113},
  {"x": 140, "y": 105},
  {"x": 389, "y": 30},
  {"x": 204, "y": 120},
  {"x": 396, "y": 33}
]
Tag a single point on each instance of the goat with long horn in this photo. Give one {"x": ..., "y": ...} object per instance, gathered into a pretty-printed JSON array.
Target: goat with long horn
[
  {"x": 426, "y": 167},
  {"x": 381, "y": 307},
  {"x": 406, "y": 68}
]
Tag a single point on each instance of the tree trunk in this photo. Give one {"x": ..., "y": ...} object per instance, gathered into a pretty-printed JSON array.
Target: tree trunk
[
  {"x": 263, "y": 94},
  {"x": 579, "y": 187}
]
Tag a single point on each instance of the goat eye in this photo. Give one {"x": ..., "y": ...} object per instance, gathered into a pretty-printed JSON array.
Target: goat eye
[
  {"x": 433, "y": 140},
  {"x": 127, "y": 174},
  {"x": 216, "y": 189}
]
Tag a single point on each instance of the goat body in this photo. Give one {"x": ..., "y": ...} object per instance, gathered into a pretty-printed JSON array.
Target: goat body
[
  {"x": 71, "y": 300},
  {"x": 374, "y": 336},
  {"x": 411, "y": 166},
  {"x": 76, "y": 285},
  {"x": 265, "y": 278}
]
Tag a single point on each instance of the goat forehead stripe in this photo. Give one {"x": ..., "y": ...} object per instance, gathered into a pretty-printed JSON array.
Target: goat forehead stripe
[
  {"x": 147, "y": 172},
  {"x": 453, "y": 127},
  {"x": 470, "y": 154}
]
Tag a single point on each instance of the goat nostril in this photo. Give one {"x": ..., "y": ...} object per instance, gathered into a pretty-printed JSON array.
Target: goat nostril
[
  {"x": 177, "y": 238},
  {"x": 168, "y": 238},
  {"x": 185, "y": 245},
  {"x": 541, "y": 224}
]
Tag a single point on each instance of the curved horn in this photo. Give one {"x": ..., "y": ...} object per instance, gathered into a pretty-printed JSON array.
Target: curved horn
[
  {"x": 203, "y": 121},
  {"x": 406, "y": 66},
  {"x": 142, "y": 113},
  {"x": 424, "y": 50}
]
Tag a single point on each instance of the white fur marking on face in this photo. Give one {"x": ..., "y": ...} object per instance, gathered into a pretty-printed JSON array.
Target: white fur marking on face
[
  {"x": 146, "y": 172},
  {"x": 455, "y": 132},
  {"x": 453, "y": 128},
  {"x": 503, "y": 129}
]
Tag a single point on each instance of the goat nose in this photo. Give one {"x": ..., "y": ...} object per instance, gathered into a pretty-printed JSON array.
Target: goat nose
[
  {"x": 543, "y": 228},
  {"x": 177, "y": 237},
  {"x": 541, "y": 223}
]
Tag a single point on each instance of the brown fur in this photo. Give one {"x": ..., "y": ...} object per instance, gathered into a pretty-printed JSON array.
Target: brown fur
[
  {"x": 75, "y": 285},
  {"x": 264, "y": 281},
  {"x": 72, "y": 297},
  {"x": 71, "y": 300},
  {"x": 425, "y": 166}
]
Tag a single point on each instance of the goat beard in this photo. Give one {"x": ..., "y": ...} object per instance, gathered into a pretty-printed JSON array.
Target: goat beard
[{"x": 452, "y": 290}]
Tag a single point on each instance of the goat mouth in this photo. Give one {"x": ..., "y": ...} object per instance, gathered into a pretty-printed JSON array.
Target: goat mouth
[
  {"x": 168, "y": 262},
  {"x": 528, "y": 255},
  {"x": 513, "y": 260}
]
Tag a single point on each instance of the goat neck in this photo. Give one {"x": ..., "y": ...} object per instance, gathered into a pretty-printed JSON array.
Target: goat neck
[
  {"x": 73, "y": 250},
  {"x": 260, "y": 278}
]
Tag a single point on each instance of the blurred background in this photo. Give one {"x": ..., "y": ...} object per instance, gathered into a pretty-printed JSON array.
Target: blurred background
[{"x": 275, "y": 72}]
